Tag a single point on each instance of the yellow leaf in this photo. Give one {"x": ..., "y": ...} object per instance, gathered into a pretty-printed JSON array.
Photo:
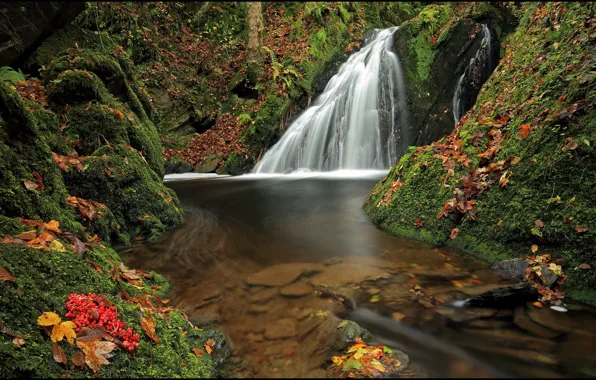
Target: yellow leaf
[
  {"x": 336, "y": 360},
  {"x": 64, "y": 329},
  {"x": 57, "y": 246},
  {"x": 148, "y": 324},
  {"x": 53, "y": 225},
  {"x": 534, "y": 248},
  {"x": 48, "y": 319},
  {"x": 97, "y": 353}
]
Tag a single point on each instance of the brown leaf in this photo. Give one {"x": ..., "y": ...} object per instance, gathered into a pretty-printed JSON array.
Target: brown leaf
[
  {"x": 19, "y": 341},
  {"x": 198, "y": 352},
  {"x": 5, "y": 276},
  {"x": 418, "y": 223},
  {"x": 30, "y": 185},
  {"x": 59, "y": 355},
  {"x": 39, "y": 180},
  {"x": 148, "y": 324},
  {"x": 29, "y": 235},
  {"x": 581, "y": 229},
  {"x": 6, "y": 330},
  {"x": 534, "y": 248},
  {"x": 79, "y": 359},
  {"x": 454, "y": 233},
  {"x": 539, "y": 223},
  {"x": 78, "y": 246},
  {"x": 524, "y": 130},
  {"x": 90, "y": 334},
  {"x": 584, "y": 266}
]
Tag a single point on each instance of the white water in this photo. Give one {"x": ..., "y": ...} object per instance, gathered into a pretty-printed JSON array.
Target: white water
[
  {"x": 458, "y": 107},
  {"x": 354, "y": 123}
]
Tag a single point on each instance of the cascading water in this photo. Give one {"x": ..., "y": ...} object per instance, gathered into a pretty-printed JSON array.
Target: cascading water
[
  {"x": 354, "y": 123},
  {"x": 482, "y": 61}
]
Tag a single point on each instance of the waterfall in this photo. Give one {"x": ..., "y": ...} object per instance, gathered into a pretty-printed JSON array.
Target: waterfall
[
  {"x": 482, "y": 61},
  {"x": 354, "y": 123}
]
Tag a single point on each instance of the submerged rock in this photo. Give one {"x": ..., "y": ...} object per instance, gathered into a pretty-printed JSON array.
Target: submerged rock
[
  {"x": 507, "y": 296},
  {"x": 283, "y": 328},
  {"x": 282, "y": 274},
  {"x": 297, "y": 289},
  {"x": 521, "y": 319}
]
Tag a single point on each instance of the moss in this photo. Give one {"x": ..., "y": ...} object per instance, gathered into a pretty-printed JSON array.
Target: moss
[
  {"x": 44, "y": 279},
  {"x": 542, "y": 73},
  {"x": 76, "y": 87},
  {"x": 133, "y": 192}
]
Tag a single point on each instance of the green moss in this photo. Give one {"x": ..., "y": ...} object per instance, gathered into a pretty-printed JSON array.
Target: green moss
[
  {"x": 542, "y": 73},
  {"x": 76, "y": 87}
]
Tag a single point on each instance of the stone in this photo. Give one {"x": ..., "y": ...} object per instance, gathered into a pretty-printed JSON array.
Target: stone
[
  {"x": 282, "y": 328},
  {"x": 505, "y": 297},
  {"x": 522, "y": 321},
  {"x": 439, "y": 274},
  {"x": 209, "y": 164},
  {"x": 554, "y": 320},
  {"x": 282, "y": 274},
  {"x": 255, "y": 337},
  {"x": 257, "y": 309},
  {"x": 464, "y": 315},
  {"x": 277, "y": 349},
  {"x": 263, "y": 296},
  {"x": 304, "y": 313},
  {"x": 511, "y": 269},
  {"x": 345, "y": 273},
  {"x": 489, "y": 323},
  {"x": 297, "y": 289}
]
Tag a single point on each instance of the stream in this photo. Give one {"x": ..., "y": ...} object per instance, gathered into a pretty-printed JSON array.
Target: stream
[{"x": 253, "y": 247}]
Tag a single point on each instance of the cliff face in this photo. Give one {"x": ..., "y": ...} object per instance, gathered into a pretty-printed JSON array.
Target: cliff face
[{"x": 518, "y": 169}]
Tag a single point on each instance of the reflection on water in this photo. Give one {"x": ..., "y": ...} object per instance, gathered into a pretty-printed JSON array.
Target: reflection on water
[{"x": 237, "y": 226}]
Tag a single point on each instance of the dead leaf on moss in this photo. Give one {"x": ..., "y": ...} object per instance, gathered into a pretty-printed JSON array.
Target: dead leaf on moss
[
  {"x": 5, "y": 276},
  {"x": 59, "y": 355},
  {"x": 148, "y": 324},
  {"x": 97, "y": 353}
]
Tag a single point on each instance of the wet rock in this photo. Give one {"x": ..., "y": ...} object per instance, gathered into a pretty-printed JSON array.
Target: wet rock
[
  {"x": 350, "y": 330},
  {"x": 176, "y": 165},
  {"x": 264, "y": 295},
  {"x": 258, "y": 309},
  {"x": 304, "y": 313},
  {"x": 439, "y": 274},
  {"x": 511, "y": 338},
  {"x": 528, "y": 356},
  {"x": 318, "y": 373},
  {"x": 209, "y": 164},
  {"x": 297, "y": 289},
  {"x": 221, "y": 349},
  {"x": 255, "y": 337},
  {"x": 507, "y": 296},
  {"x": 464, "y": 315},
  {"x": 282, "y": 274},
  {"x": 554, "y": 320},
  {"x": 277, "y": 350},
  {"x": 282, "y": 328},
  {"x": 580, "y": 342},
  {"x": 522, "y": 321},
  {"x": 511, "y": 269},
  {"x": 346, "y": 273}
]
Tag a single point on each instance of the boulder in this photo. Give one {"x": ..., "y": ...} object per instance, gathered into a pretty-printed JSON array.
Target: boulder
[
  {"x": 511, "y": 269},
  {"x": 209, "y": 164},
  {"x": 507, "y": 296}
]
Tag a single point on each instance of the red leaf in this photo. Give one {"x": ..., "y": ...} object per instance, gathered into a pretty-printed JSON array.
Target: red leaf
[{"x": 525, "y": 129}]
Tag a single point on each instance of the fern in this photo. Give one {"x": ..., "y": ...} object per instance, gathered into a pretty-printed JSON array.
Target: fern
[{"x": 7, "y": 73}]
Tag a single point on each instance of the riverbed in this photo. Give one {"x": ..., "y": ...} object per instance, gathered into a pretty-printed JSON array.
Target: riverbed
[{"x": 269, "y": 259}]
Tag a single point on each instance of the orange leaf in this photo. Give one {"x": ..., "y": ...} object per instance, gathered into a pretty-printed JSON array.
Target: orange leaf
[
  {"x": 208, "y": 349},
  {"x": 148, "y": 324},
  {"x": 5, "y": 276},
  {"x": 19, "y": 341},
  {"x": 59, "y": 355},
  {"x": 537, "y": 304},
  {"x": 198, "y": 352},
  {"x": 581, "y": 229},
  {"x": 53, "y": 225},
  {"x": 29, "y": 235},
  {"x": 524, "y": 130},
  {"x": 457, "y": 283}
]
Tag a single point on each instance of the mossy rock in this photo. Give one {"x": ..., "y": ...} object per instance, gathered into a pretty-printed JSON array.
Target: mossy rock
[
  {"x": 44, "y": 279},
  {"x": 552, "y": 180},
  {"x": 119, "y": 177}
]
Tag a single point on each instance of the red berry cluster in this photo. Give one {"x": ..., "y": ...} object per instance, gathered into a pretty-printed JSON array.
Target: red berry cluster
[{"x": 90, "y": 311}]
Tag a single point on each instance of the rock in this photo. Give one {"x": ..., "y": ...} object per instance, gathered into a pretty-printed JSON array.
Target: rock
[
  {"x": 464, "y": 315},
  {"x": 554, "y": 320},
  {"x": 209, "y": 164},
  {"x": 258, "y": 309},
  {"x": 282, "y": 274},
  {"x": 283, "y": 328},
  {"x": 350, "y": 330},
  {"x": 439, "y": 274},
  {"x": 532, "y": 357},
  {"x": 511, "y": 338},
  {"x": 522, "y": 321},
  {"x": 277, "y": 350},
  {"x": 317, "y": 373},
  {"x": 345, "y": 273},
  {"x": 176, "y": 165},
  {"x": 264, "y": 295},
  {"x": 297, "y": 289},
  {"x": 255, "y": 337},
  {"x": 511, "y": 269},
  {"x": 548, "y": 275},
  {"x": 508, "y": 296},
  {"x": 304, "y": 313}
]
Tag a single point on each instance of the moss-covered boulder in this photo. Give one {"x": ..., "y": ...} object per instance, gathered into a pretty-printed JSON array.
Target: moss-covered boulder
[
  {"x": 119, "y": 177},
  {"x": 519, "y": 168},
  {"x": 44, "y": 279}
]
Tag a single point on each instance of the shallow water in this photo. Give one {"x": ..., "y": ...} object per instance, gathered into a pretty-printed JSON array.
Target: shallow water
[{"x": 237, "y": 226}]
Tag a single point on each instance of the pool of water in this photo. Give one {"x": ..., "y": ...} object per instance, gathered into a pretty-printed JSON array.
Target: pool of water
[{"x": 245, "y": 239}]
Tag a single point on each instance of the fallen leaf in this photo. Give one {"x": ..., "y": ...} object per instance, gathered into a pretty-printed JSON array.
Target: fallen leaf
[
  {"x": 454, "y": 233},
  {"x": 457, "y": 283},
  {"x": 39, "y": 180},
  {"x": 57, "y": 246},
  {"x": 537, "y": 304},
  {"x": 53, "y": 225},
  {"x": 6, "y": 330},
  {"x": 59, "y": 355},
  {"x": 397, "y": 316},
  {"x": 64, "y": 330},
  {"x": 539, "y": 223},
  {"x": 30, "y": 185},
  {"x": 581, "y": 229},
  {"x": 534, "y": 248},
  {"x": 198, "y": 352},
  {"x": 79, "y": 359},
  {"x": 19, "y": 341},
  {"x": 211, "y": 342},
  {"x": 584, "y": 266},
  {"x": 26, "y": 236},
  {"x": 5, "y": 276},
  {"x": 524, "y": 130},
  {"x": 97, "y": 353},
  {"x": 48, "y": 319},
  {"x": 208, "y": 349},
  {"x": 148, "y": 324},
  {"x": 90, "y": 334}
]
